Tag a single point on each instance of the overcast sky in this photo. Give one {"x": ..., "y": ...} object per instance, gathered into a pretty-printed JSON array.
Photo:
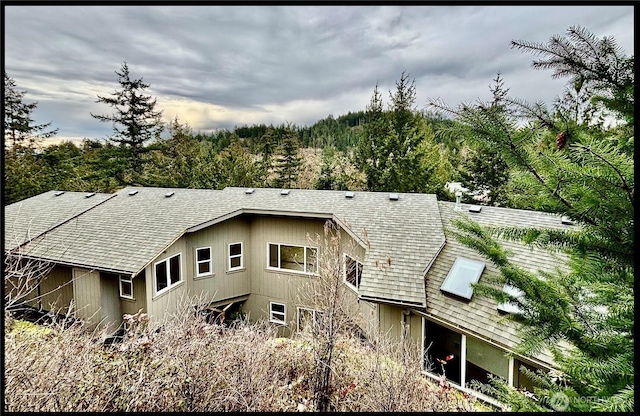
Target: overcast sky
[{"x": 224, "y": 66}]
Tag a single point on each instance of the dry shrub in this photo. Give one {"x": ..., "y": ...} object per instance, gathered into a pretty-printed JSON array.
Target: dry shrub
[{"x": 185, "y": 364}]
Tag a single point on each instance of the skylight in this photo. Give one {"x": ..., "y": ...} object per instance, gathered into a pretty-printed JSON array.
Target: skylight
[
  {"x": 59, "y": 193},
  {"x": 169, "y": 194},
  {"x": 249, "y": 191},
  {"x": 509, "y": 307},
  {"x": 463, "y": 273},
  {"x": 566, "y": 220},
  {"x": 131, "y": 193},
  {"x": 285, "y": 192},
  {"x": 90, "y": 194},
  {"x": 349, "y": 194},
  {"x": 393, "y": 197},
  {"x": 475, "y": 208}
]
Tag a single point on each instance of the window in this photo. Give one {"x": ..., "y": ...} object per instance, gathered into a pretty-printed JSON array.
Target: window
[
  {"x": 168, "y": 273},
  {"x": 126, "y": 287},
  {"x": 352, "y": 271},
  {"x": 463, "y": 273},
  {"x": 307, "y": 317},
  {"x": 278, "y": 313},
  {"x": 203, "y": 261},
  {"x": 295, "y": 258},
  {"x": 235, "y": 256}
]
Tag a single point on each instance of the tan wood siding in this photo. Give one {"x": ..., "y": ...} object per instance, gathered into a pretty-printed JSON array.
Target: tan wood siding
[
  {"x": 111, "y": 315},
  {"x": 57, "y": 290},
  {"x": 139, "y": 301},
  {"x": 166, "y": 302},
  {"x": 275, "y": 285},
  {"x": 222, "y": 284},
  {"x": 391, "y": 319},
  {"x": 87, "y": 294}
]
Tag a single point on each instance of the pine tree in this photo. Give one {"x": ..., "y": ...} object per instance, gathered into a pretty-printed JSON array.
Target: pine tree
[
  {"x": 288, "y": 161},
  {"x": 136, "y": 120},
  {"x": 590, "y": 305},
  {"x": 19, "y": 129}
]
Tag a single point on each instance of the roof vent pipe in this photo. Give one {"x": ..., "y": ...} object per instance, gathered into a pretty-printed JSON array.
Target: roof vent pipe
[{"x": 458, "y": 206}]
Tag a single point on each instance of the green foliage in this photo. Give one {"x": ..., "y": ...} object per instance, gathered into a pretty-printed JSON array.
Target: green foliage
[
  {"x": 288, "y": 161},
  {"x": 587, "y": 304},
  {"x": 18, "y": 127},
  {"x": 135, "y": 120},
  {"x": 397, "y": 150}
]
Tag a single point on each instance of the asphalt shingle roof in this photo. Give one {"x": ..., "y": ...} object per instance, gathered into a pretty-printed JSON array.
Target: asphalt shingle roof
[
  {"x": 480, "y": 315},
  {"x": 27, "y": 219},
  {"x": 127, "y": 232}
]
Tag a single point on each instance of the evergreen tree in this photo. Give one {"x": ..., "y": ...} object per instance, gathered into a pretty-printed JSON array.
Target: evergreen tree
[
  {"x": 19, "y": 127},
  {"x": 288, "y": 161},
  {"x": 398, "y": 151},
  {"x": 370, "y": 155},
  {"x": 136, "y": 120},
  {"x": 26, "y": 173},
  {"x": 590, "y": 305}
]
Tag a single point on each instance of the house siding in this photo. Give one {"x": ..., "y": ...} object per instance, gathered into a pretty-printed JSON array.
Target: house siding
[
  {"x": 223, "y": 284},
  {"x": 56, "y": 291},
  {"x": 139, "y": 301},
  {"x": 110, "y": 313},
  {"x": 167, "y": 302},
  {"x": 87, "y": 292},
  {"x": 277, "y": 286}
]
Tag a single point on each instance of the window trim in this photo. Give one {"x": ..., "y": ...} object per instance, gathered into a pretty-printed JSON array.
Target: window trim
[
  {"x": 304, "y": 260},
  {"x": 125, "y": 279},
  {"x": 314, "y": 313},
  {"x": 198, "y": 262},
  {"x": 168, "y": 269},
  {"x": 230, "y": 257},
  {"x": 344, "y": 274},
  {"x": 284, "y": 313}
]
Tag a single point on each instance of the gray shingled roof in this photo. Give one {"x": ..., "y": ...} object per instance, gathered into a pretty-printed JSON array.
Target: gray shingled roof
[
  {"x": 27, "y": 219},
  {"x": 127, "y": 232},
  {"x": 480, "y": 315}
]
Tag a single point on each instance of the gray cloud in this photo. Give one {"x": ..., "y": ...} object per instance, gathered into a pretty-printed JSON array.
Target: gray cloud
[{"x": 221, "y": 66}]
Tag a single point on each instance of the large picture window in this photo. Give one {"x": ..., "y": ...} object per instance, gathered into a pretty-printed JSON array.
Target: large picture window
[
  {"x": 167, "y": 273},
  {"x": 292, "y": 258},
  {"x": 352, "y": 271},
  {"x": 203, "y": 261},
  {"x": 236, "y": 261}
]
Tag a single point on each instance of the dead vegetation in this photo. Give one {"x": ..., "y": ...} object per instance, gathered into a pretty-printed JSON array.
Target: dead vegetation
[{"x": 188, "y": 365}]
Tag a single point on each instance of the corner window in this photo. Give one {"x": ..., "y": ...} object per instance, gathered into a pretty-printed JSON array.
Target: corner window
[
  {"x": 462, "y": 275},
  {"x": 352, "y": 271},
  {"x": 235, "y": 256},
  {"x": 203, "y": 261},
  {"x": 167, "y": 273},
  {"x": 278, "y": 313},
  {"x": 126, "y": 286},
  {"x": 292, "y": 258}
]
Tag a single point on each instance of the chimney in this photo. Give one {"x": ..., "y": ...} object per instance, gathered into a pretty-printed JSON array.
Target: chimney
[{"x": 458, "y": 206}]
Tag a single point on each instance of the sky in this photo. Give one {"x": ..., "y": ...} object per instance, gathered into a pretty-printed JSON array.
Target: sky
[{"x": 217, "y": 67}]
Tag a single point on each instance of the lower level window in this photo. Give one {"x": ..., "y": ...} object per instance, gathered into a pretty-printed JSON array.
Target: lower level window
[
  {"x": 308, "y": 317},
  {"x": 126, "y": 287},
  {"x": 167, "y": 273},
  {"x": 278, "y": 313}
]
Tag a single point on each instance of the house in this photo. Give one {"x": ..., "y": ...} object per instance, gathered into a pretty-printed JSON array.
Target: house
[{"x": 147, "y": 248}]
